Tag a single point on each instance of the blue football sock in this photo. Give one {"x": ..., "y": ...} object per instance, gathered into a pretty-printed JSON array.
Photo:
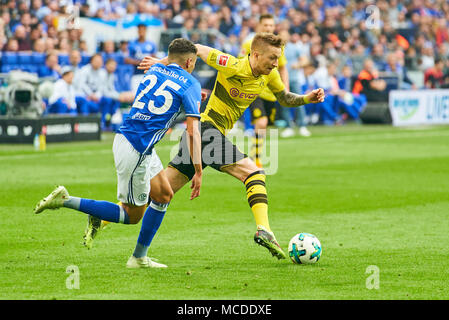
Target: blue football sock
[
  {"x": 151, "y": 222},
  {"x": 103, "y": 210}
]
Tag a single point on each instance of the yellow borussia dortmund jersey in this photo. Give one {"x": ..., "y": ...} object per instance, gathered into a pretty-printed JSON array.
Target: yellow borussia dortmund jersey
[
  {"x": 235, "y": 89},
  {"x": 246, "y": 49}
]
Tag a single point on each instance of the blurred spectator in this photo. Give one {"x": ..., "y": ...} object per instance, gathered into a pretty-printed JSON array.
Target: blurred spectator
[
  {"x": 112, "y": 98},
  {"x": 351, "y": 103},
  {"x": 124, "y": 49},
  {"x": 141, "y": 47},
  {"x": 414, "y": 33},
  {"x": 367, "y": 83},
  {"x": 427, "y": 57},
  {"x": 12, "y": 45},
  {"x": 51, "y": 67},
  {"x": 62, "y": 100},
  {"x": 89, "y": 85},
  {"x": 75, "y": 38},
  {"x": 83, "y": 47},
  {"x": 308, "y": 83},
  {"x": 23, "y": 38},
  {"x": 394, "y": 66},
  {"x": 326, "y": 79},
  {"x": 411, "y": 59},
  {"x": 293, "y": 116},
  {"x": 434, "y": 77},
  {"x": 6, "y": 19},
  {"x": 378, "y": 57},
  {"x": 39, "y": 46},
  {"x": 357, "y": 58},
  {"x": 108, "y": 47}
]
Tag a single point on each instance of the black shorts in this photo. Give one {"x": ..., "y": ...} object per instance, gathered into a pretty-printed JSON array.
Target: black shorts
[
  {"x": 217, "y": 151},
  {"x": 263, "y": 108}
]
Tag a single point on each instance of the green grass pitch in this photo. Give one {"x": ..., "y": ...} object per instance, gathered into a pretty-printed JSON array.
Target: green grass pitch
[{"x": 373, "y": 195}]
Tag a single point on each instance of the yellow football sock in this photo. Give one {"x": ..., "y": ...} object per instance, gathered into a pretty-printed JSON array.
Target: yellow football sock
[
  {"x": 257, "y": 148},
  {"x": 257, "y": 198}
]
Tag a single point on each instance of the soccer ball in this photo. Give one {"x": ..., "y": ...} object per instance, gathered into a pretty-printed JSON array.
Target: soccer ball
[{"x": 304, "y": 248}]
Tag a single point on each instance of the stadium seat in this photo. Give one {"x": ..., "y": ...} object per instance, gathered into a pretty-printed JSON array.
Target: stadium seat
[
  {"x": 29, "y": 68},
  {"x": 9, "y": 58},
  {"x": 9, "y": 67},
  {"x": 38, "y": 58},
  {"x": 24, "y": 58}
]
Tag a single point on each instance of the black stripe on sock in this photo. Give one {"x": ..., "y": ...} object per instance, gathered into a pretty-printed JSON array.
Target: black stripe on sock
[
  {"x": 256, "y": 201},
  {"x": 257, "y": 198},
  {"x": 253, "y": 174},
  {"x": 254, "y": 183}
]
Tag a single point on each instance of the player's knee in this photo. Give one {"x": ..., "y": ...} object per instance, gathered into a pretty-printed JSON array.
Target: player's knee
[
  {"x": 261, "y": 123},
  {"x": 164, "y": 196}
]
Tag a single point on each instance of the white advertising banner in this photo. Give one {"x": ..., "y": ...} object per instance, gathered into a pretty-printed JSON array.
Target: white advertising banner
[{"x": 412, "y": 107}]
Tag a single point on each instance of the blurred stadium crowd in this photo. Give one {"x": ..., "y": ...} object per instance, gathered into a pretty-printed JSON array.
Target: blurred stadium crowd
[{"x": 356, "y": 50}]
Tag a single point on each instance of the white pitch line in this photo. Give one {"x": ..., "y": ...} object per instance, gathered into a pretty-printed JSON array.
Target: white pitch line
[
  {"x": 40, "y": 154},
  {"x": 375, "y": 136}
]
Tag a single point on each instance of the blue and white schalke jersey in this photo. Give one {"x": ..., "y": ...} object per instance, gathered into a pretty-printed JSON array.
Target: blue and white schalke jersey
[{"x": 157, "y": 104}]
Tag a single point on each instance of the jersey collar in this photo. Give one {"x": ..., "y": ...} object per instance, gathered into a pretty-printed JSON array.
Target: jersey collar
[
  {"x": 174, "y": 64},
  {"x": 250, "y": 70}
]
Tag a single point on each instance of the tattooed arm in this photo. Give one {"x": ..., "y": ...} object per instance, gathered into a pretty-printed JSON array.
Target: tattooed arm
[{"x": 290, "y": 99}]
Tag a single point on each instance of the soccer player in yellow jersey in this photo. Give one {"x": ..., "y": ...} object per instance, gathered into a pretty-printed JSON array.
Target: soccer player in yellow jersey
[
  {"x": 263, "y": 109},
  {"x": 239, "y": 82}
]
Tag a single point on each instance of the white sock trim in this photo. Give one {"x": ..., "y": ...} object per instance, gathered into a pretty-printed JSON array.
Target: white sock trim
[
  {"x": 161, "y": 207},
  {"x": 122, "y": 215}
]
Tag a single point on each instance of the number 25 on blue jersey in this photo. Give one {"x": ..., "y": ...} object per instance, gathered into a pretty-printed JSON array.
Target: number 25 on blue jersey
[{"x": 139, "y": 102}]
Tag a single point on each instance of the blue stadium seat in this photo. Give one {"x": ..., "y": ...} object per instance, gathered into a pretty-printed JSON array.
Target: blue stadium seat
[
  {"x": 38, "y": 58},
  {"x": 9, "y": 67},
  {"x": 24, "y": 58},
  {"x": 63, "y": 59},
  {"x": 29, "y": 68},
  {"x": 9, "y": 58}
]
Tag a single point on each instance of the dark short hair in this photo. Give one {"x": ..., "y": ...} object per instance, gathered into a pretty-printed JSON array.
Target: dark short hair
[
  {"x": 264, "y": 39},
  {"x": 265, "y": 16},
  {"x": 181, "y": 46}
]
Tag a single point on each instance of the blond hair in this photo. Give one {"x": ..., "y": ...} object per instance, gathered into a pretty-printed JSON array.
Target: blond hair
[{"x": 261, "y": 40}]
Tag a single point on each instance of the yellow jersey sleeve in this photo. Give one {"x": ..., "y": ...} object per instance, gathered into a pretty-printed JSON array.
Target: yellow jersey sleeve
[
  {"x": 246, "y": 48},
  {"x": 223, "y": 62},
  {"x": 275, "y": 83},
  {"x": 282, "y": 60}
]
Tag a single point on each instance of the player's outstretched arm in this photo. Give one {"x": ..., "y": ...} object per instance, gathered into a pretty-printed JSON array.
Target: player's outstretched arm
[
  {"x": 194, "y": 143},
  {"x": 203, "y": 51},
  {"x": 148, "y": 61},
  {"x": 290, "y": 99}
]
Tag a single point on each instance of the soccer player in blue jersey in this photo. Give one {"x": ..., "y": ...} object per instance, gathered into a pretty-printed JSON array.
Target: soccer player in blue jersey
[{"x": 158, "y": 100}]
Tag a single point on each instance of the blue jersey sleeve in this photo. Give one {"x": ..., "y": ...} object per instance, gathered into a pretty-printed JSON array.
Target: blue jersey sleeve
[{"x": 191, "y": 100}]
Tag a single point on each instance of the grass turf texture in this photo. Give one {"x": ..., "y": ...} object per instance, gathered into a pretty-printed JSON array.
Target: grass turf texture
[{"x": 373, "y": 195}]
